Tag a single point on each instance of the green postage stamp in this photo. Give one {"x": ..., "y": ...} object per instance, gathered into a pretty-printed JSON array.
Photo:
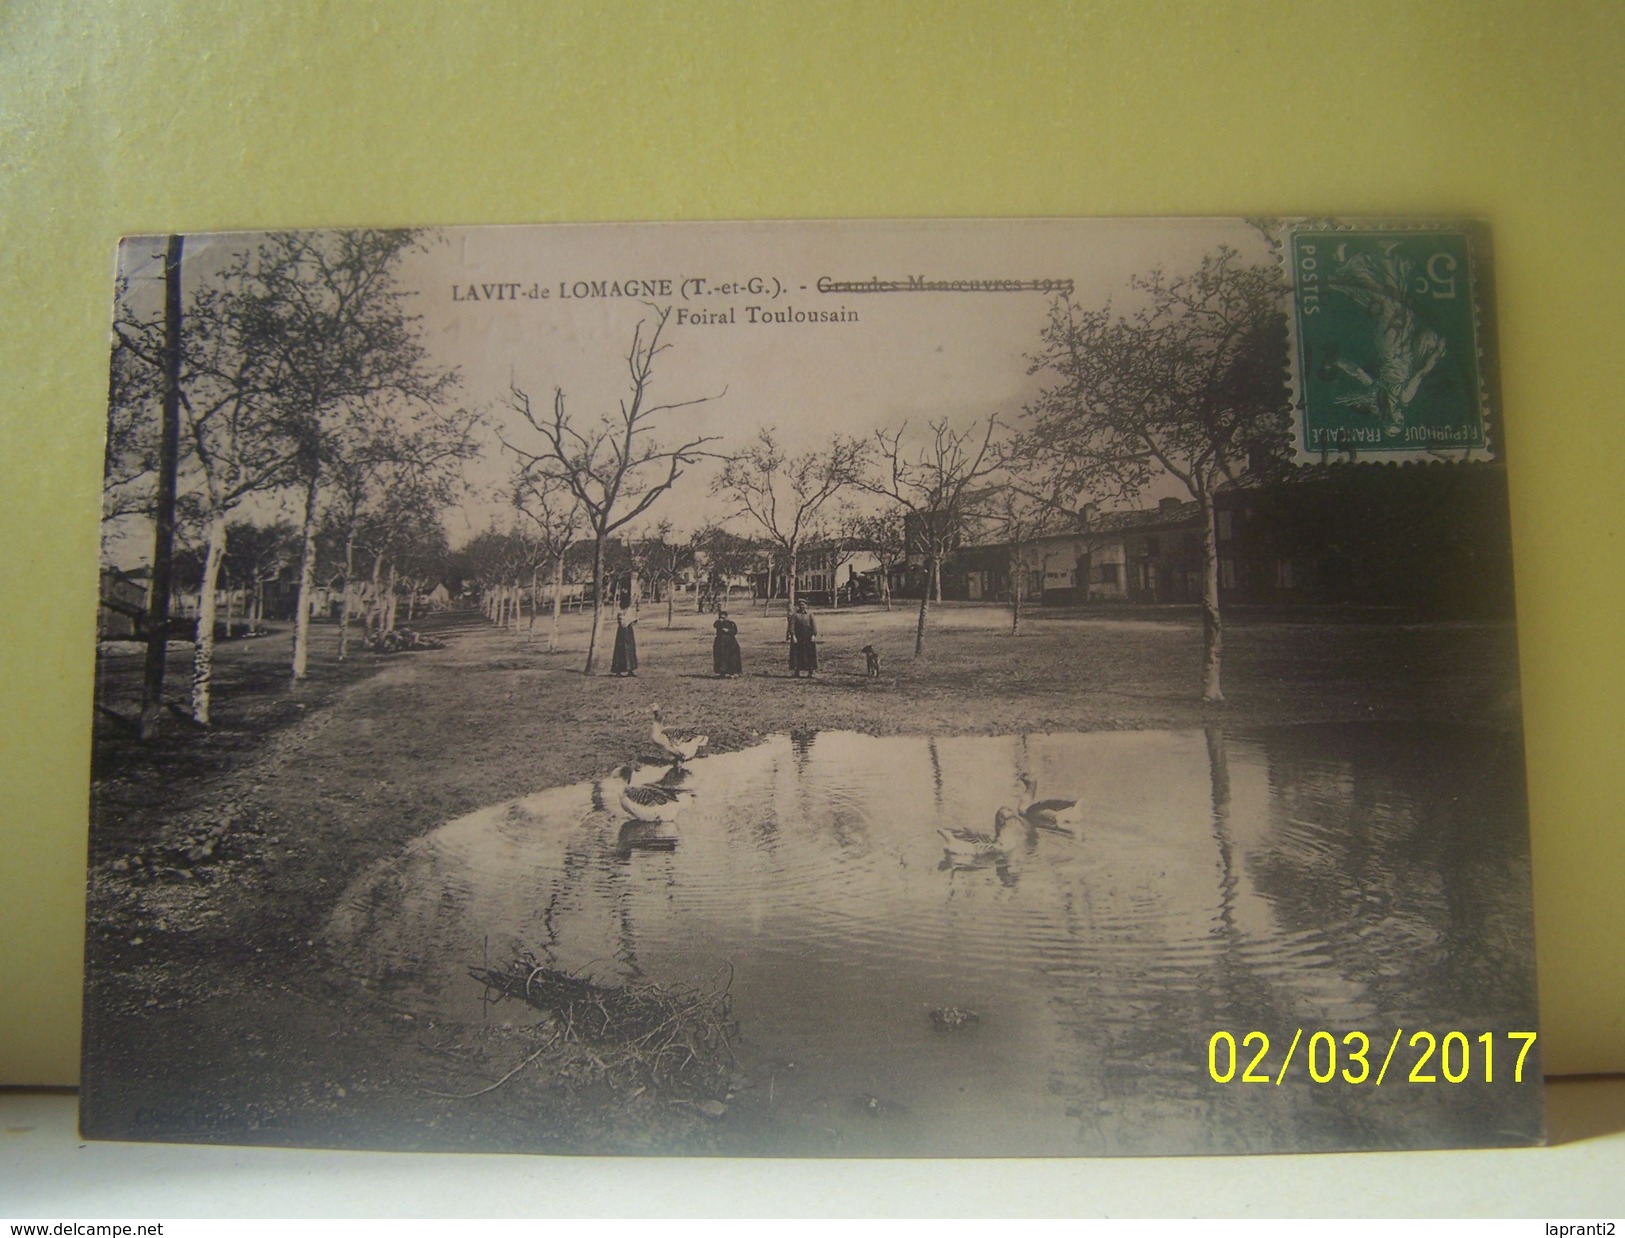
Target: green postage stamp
[{"x": 1388, "y": 343}]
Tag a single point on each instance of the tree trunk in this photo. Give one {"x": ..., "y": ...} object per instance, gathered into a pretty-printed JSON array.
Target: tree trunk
[
  {"x": 885, "y": 584},
  {"x": 535, "y": 600},
  {"x": 203, "y": 659},
  {"x": 790, "y": 581},
  {"x": 375, "y": 605},
  {"x": 1218, "y": 764},
  {"x": 307, "y": 577},
  {"x": 163, "y": 550},
  {"x": 558, "y": 602},
  {"x": 597, "y": 608},
  {"x": 389, "y": 615},
  {"x": 344, "y": 608},
  {"x": 1212, "y": 637},
  {"x": 1015, "y": 595},
  {"x": 925, "y": 603}
]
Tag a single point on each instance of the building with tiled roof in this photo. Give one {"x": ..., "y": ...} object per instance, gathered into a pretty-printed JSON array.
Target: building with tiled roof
[{"x": 1151, "y": 555}]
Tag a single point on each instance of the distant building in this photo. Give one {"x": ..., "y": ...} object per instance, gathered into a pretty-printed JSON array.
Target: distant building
[
  {"x": 818, "y": 576},
  {"x": 1432, "y": 539},
  {"x": 123, "y": 611},
  {"x": 1150, "y": 555}
]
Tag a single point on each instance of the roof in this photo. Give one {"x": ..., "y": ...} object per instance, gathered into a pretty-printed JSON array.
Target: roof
[
  {"x": 1139, "y": 520},
  {"x": 1159, "y": 517}
]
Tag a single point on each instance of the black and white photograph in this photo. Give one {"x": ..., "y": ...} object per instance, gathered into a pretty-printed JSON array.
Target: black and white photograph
[{"x": 849, "y": 689}]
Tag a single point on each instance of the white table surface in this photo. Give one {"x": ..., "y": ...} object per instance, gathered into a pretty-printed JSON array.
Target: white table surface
[{"x": 48, "y": 1173}]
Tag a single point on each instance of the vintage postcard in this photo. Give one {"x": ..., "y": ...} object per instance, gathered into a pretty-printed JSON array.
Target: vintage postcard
[{"x": 952, "y": 688}]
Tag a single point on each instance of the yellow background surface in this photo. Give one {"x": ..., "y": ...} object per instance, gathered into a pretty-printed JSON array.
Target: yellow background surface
[{"x": 190, "y": 116}]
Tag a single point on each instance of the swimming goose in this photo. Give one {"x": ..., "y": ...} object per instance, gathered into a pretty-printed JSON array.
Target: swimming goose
[
  {"x": 973, "y": 843},
  {"x": 1042, "y": 814},
  {"x": 650, "y": 801},
  {"x": 679, "y": 750}
]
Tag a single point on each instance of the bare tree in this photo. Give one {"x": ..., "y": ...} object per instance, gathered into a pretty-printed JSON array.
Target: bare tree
[
  {"x": 883, "y": 535},
  {"x": 256, "y": 555},
  {"x": 555, "y": 517},
  {"x": 1190, "y": 386},
  {"x": 722, "y": 555},
  {"x": 499, "y": 560},
  {"x": 785, "y": 494},
  {"x": 935, "y": 486},
  {"x": 616, "y": 468},
  {"x": 389, "y": 479},
  {"x": 1017, "y": 517},
  {"x": 420, "y": 552},
  {"x": 327, "y": 307},
  {"x": 135, "y": 391},
  {"x": 662, "y": 558},
  {"x": 152, "y": 682},
  {"x": 832, "y": 541}
]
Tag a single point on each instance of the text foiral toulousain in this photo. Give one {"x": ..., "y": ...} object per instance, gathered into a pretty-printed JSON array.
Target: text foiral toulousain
[{"x": 766, "y": 291}]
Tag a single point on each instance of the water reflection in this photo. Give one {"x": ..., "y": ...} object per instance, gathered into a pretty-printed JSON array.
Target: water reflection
[{"x": 1339, "y": 877}]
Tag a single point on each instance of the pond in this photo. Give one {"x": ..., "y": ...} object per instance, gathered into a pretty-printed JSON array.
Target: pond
[{"x": 1348, "y": 877}]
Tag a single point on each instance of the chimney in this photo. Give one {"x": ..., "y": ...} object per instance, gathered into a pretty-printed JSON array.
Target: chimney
[
  {"x": 1168, "y": 505},
  {"x": 1087, "y": 513}
]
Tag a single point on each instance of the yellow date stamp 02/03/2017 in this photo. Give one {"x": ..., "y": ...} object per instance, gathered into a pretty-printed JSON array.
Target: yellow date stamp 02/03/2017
[{"x": 1351, "y": 1058}]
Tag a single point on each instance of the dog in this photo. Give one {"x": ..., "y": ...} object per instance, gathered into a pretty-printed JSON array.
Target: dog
[{"x": 871, "y": 666}]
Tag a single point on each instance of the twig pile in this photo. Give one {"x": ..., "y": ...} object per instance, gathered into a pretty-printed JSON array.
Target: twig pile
[
  {"x": 187, "y": 857},
  {"x": 676, "y": 1040}
]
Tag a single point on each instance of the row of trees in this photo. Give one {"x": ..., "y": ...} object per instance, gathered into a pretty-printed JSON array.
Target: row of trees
[
  {"x": 298, "y": 370},
  {"x": 295, "y": 370},
  {"x": 506, "y": 568},
  {"x": 1191, "y": 386}
]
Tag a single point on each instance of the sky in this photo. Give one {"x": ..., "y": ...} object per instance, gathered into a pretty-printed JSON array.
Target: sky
[{"x": 555, "y": 307}]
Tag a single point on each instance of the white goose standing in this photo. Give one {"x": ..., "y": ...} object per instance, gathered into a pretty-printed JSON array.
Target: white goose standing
[{"x": 679, "y": 750}]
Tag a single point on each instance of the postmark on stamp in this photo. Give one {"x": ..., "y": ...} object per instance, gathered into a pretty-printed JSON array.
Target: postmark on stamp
[{"x": 1388, "y": 344}]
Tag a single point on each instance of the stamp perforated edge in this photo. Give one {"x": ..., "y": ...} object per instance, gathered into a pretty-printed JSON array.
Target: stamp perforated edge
[{"x": 1476, "y": 232}]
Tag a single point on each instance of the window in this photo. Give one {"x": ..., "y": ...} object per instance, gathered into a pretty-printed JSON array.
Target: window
[
  {"x": 1226, "y": 526},
  {"x": 1152, "y": 547},
  {"x": 1227, "y": 573},
  {"x": 1283, "y": 573}
]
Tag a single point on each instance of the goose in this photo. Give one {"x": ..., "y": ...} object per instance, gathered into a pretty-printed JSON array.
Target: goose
[
  {"x": 650, "y": 801},
  {"x": 679, "y": 750},
  {"x": 1042, "y": 814},
  {"x": 973, "y": 844}
]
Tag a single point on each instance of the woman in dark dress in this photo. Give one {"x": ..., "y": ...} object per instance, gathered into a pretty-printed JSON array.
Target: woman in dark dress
[
  {"x": 625, "y": 661},
  {"x": 802, "y": 633},
  {"x": 725, "y": 659}
]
